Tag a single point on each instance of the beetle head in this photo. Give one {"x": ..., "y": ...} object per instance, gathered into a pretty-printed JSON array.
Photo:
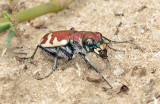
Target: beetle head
[
  {"x": 98, "y": 47},
  {"x": 101, "y": 50}
]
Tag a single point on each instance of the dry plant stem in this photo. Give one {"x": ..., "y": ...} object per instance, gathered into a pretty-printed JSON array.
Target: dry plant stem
[
  {"x": 14, "y": 4},
  {"x": 14, "y": 19},
  {"x": 40, "y": 10}
]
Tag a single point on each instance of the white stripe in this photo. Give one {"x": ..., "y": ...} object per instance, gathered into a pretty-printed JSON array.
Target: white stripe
[{"x": 55, "y": 42}]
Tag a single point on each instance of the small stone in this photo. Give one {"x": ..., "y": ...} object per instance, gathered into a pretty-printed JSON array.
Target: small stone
[
  {"x": 25, "y": 67},
  {"x": 22, "y": 5},
  {"x": 118, "y": 71},
  {"x": 117, "y": 86},
  {"x": 19, "y": 59},
  {"x": 104, "y": 89},
  {"x": 123, "y": 88},
  {"x": 156, "y": 56},
  {"x": 37, "y": 24},
  {"x": 36, "y": 75},
  {"x": 157, "y": 95},
  {"x": 149, "y": 87},
  {"x": 142, "y": 30},
  {"x": 119, "y": 14},
  {"x": 138, "y": 71},
  {"x": 95, "y": 79}
]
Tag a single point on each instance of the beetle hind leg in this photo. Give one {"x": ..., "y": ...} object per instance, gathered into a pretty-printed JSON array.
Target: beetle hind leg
[
  {"x": 55, "y": 60},
  {"x": 35, "y": 52},
  {"x": 45, "y": 49},
  {"x": 53, "y": 69}
]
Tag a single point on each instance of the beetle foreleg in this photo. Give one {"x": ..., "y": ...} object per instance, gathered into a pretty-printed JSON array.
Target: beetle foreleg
[{"x": 87, "y": 61}]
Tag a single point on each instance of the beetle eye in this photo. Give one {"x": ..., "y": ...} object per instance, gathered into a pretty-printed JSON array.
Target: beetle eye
[{"x": 89, "y": 42}]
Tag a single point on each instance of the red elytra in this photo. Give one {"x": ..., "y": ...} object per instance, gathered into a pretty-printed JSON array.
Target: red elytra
[
  {"x": 72, "y": 35},
  {"x": 60, "y": 35}
]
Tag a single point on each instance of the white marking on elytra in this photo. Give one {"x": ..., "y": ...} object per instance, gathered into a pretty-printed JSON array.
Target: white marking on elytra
[{"x": 55, "y": 42}]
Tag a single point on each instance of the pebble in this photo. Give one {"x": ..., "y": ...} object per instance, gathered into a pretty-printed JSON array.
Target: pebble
[
  {"x": 118, "y": 71},
  {"x": 37, "y": 23},
  {"x": 138, "y": 71}
]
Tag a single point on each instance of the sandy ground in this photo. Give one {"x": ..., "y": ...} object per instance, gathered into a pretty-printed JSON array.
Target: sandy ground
[{"x": 74, "y": 82}]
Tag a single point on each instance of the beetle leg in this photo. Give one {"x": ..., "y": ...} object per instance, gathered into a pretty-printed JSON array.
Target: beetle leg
[
  {"x": 39, "y": 46},
  {"x": 87, "y": 61},
  {"x": 35, "y": 52},
  {"x": 55, "y": 61},
  {"x": 53, "y": 69},
  {"x": 66, "y": 53},
  {"x": 107, "y": 63}
]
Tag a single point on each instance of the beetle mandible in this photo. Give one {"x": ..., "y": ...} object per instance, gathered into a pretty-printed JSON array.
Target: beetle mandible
[{"x": 69, "y": 43}]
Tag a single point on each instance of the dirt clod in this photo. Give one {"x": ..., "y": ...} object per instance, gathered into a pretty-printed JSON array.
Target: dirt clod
[{"x": 138, "y": 71}]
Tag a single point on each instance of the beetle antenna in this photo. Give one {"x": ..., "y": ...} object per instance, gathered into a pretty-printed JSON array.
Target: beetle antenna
[
  {"x": 115, "y": 49},
  {"x": 116, "y": 42}
]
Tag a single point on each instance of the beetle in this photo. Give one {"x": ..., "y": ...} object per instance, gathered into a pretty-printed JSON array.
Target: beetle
[{"x": 69, "y": 43}]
